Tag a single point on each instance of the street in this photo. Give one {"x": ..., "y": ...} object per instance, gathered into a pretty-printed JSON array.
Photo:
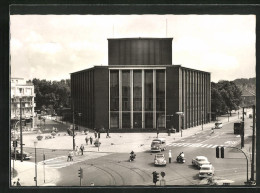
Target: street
[{"x": 114, "y": 169}]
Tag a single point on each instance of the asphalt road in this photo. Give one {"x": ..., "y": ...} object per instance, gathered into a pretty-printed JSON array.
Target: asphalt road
[{"x": 116, "y": 170}]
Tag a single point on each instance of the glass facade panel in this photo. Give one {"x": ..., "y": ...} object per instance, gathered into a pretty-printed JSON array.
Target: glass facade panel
[
  {"x": 137, "y": 123},
  {"x": 160, "y": 90},
  {"x": 126, "y": 123},
  {"x": 160, "y": 117},
  {"x": 114, "y": 120},
  {"x": 126, "y": 90},
  {"x": 114, "y": 90},
  {"x": 137, "y": 89},
  {"x": 148, "y": 120},
  {"x": 148, "y": 90}
]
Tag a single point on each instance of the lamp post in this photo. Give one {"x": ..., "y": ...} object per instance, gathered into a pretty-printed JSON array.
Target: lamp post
[
  {"x": 73, "y": 120},
  {"x": 202, "y": 119},
  {"x": 181, "y": 114},
  {"x": 79, "y": 114},
  {"x": 35, "y": 178},
  {"x": 21, "y": 129}
]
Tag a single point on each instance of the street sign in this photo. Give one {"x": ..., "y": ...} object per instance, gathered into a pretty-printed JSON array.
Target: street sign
[{"x": 162, "y": 174}]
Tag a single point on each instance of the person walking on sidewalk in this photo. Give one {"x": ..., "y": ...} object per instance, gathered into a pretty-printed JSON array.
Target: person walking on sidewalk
[
  {"x": 18, "y": 182},
  {"x": 90, "y": 139},
  {"x": 95, "y": 133},
  {"x": 170, "y": 156},
  {"x": 82, "y": 149},
  {"x": 86, "y": 139}
]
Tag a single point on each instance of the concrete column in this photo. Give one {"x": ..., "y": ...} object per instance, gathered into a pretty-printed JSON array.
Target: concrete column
[
  {"x": 154, "y": 99},
  {"x": 109, "y": 99},
  {"x": 143, "y": 116},
  {"x": 120, "y": 99},
  {"x": 132, "y": 98}
]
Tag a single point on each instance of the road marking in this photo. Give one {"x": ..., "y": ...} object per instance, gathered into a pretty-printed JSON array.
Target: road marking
[{"x": 61, "y": 162}]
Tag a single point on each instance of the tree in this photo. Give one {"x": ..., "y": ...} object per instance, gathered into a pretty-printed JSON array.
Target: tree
[
  {"x": 225, "y": 96},
  {"x": 51, "y": 94}
]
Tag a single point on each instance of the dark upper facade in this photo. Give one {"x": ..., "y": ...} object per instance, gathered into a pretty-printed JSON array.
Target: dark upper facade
[
  {"x": 140, "y": 89},
  {"x": 140, "y": 51}
]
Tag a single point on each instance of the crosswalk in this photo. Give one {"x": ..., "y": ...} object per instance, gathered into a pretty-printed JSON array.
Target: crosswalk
[
  {"x": 61, "y": 161},
  {"x": 201, "y": 145}
]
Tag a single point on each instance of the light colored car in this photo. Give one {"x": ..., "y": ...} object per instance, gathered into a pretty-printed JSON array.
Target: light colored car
[
  {"x": 158, "y": 145},
  {"x": 159, "y": 160},
  {"x": 206, "y": 171},
  {"x": 198, "y": 161},
  {"x": 218, "y": 125}
]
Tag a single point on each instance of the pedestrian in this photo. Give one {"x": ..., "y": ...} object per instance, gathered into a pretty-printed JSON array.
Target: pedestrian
[
  {"x": 77, "y": 151},
  {"x": 86, "y": 139},
  {"x": 95, "y": 133},
  {"x": 170, "y": 156},
  {"x": 14, "y": 184},
  {"x": 81, "y": 149},
  {"x": 18, "y": 182},
  {"x": 69, "y": 157},
  {"x": 90, "y": 139}
]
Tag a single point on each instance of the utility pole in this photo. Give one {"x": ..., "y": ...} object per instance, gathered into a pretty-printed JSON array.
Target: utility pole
[
  {"x": 21, "y": 129},
  {"x": 253, "y": 147},
  {"x": 242, "y": 129}
]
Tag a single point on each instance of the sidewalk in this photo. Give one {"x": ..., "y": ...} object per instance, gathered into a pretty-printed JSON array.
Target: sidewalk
[{"x": 118, "y": 143}]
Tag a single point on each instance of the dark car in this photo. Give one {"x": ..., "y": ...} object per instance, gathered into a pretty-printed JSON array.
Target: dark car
[{"x": 26, "y": 155}]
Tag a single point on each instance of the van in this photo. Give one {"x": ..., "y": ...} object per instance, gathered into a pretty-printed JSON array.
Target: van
[
  {"x": 158, "y": 144},
  {"x": 237, "y": 127}
]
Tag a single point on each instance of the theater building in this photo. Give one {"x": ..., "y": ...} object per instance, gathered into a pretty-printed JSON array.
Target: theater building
[{"x": 140, "y": 89}]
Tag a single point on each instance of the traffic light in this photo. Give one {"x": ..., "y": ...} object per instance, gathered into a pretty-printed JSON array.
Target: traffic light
[
  {"x": 217, "y": 152},
  {"x": 14, "y": 143},
  {"x": 222, "y": 152},
  {"x": 80, "y": 173},
  {"x": 98, "y": 134},
  {"x": 155, "y": 177}
]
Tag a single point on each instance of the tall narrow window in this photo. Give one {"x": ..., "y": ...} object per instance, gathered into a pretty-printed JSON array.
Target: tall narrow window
[
  {"x": 114, "y": 99},
  {"x": 125, "y": 90},
  {"x": 160, "y": 98},
  {"x": 148, "y": 90},
  {"x": 114, "y": 90},
  {"x": 137, "y": 95}
]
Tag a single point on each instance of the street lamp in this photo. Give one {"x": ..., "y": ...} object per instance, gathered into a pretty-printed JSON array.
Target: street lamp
[
  {"x": 35, "y": 178},
  {"x": 181, "y": 114},
  {"x": 79, "y": 114},
  {"x": 21, "y": 129},
  {"x": 73, "y": 120},
  {"x": 202, "y": 119}
]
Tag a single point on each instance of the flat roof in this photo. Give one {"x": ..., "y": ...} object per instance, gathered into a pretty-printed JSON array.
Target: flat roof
[{"x": 141, "y": 38}]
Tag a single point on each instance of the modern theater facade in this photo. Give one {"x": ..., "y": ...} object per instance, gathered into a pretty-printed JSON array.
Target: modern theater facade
[{"x": 140, "y": 89}]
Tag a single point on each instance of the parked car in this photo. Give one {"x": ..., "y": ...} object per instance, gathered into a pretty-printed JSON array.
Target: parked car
[
  {"x": 159, "y": 160},
  {"x": 198, "y": 161},
  {"x": 26, "y": 155},
  {"x": 158, "y": 144},
  {"x": 206, "y": 171},
  {"x": 218, "y": 125}
]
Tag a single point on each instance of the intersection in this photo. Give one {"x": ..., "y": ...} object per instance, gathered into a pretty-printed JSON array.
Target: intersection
[{"x": 110, "y": 166}]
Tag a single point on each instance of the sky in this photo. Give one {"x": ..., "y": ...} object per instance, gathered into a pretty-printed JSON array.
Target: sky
[{"x": 53, "y": 46}]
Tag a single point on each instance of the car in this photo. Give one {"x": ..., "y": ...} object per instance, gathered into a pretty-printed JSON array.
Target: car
[
  {"x": 159, "y": 160},
  {"x": 218, "y": 125},
  {"x": 250, "y": 116},
  {"x": 198, "y": 161},
  {"x": 158, "y": 145},
  {"x": 206, "y": 171},
  {"x": 26, "y": 155}
]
